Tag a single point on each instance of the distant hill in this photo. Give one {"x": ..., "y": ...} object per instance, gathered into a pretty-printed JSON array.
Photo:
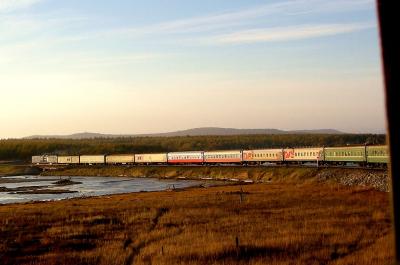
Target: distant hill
[
  {"x": 233, "y": 131},
  {"x": 189, "y": 132}
]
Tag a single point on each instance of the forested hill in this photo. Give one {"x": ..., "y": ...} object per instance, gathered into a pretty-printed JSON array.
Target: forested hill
[
  {"x": 23, "y": 149},
  {"x": 203, "y": 131}
]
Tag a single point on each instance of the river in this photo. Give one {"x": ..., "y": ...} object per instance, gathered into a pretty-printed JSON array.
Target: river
[{"x": 19, "y": 189}]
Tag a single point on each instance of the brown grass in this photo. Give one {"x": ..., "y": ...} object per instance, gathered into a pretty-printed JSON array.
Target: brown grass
[
  {"x": 20, "y": 169},
  {"x": 272, "y": 224}
]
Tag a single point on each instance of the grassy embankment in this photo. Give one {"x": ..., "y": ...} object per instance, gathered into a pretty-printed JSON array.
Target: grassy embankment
[
  {"x": 276, "y": 223},
  {"x": 216, "y": 172},
  {"x": 350, "y": 176},
  {"x": 17, "y": 169}
]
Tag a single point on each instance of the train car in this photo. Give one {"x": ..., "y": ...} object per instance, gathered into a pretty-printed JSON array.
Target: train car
[
  {"x": 44, "y": 159},
  {"x": 92, "y": 159},
  {"x": 146, "y": 159},
  {"x": 120, "y": 159},
  {"x": 68, "y": 160},
  {"x": 262, "y": 155},
  {"x": 378, "y": 154},
  {"x": 314, "y": 154},
  {"x": 37, "y": 159},
  {"x": 192, "y": 157},
  {"x": 345, "y": 154},
  {"x": 223, "y": 157}
]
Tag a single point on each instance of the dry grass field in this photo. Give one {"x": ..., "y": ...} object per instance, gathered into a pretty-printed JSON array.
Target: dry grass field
[
  {"x": 265, "y": 224},
  {"x": 17, "y": 169}
]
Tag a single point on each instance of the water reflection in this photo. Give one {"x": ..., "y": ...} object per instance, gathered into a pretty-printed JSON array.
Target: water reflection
[{"x": 89, "y": 186}]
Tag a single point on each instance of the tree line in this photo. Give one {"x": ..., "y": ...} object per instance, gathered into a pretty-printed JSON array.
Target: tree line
[{"x": 23, "y": 149}]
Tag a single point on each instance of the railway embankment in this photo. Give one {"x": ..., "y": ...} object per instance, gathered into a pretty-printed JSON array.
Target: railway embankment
[{"x": 374, "y": 178}]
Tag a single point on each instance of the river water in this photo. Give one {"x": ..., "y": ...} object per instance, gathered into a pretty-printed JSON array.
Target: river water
[{"x": 89, "y": 186}]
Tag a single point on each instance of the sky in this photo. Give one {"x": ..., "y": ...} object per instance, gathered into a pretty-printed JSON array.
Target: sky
[{"x": 127, "y": 67}]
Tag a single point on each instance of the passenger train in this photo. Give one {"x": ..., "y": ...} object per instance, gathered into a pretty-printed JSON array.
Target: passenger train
[{"x": 362, "y": 155}]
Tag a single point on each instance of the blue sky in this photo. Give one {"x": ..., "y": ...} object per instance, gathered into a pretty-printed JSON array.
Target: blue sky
[{"x": 155, "y": 66}]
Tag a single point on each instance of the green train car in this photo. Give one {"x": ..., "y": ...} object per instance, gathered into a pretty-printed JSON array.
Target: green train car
[
  {"x": 377, "y": 154},
  {"x": 346, "y": 154}
]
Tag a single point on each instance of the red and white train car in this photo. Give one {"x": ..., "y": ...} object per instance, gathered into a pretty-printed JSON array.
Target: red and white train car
[
  {"x": 303, "y": 154},
  {"x": 192, "y": 157},
  {"x": 263, "y": 155},
  {"x": 223, "y": 157}
]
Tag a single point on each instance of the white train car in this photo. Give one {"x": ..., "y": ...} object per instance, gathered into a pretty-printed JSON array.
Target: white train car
[
  {"x": 92, "y": 159},
  {"x": 315, "y": 154},
  {"x": 191, "y": 157},
  {"x": 120, "y": 159},
  {"x": 263, "y": 155},
  {"x": 44, "y": 159},
  {"x": 68, "y": 160},
  {"x": 160, "y": 158},
  {"x": 224, "y": 157}
]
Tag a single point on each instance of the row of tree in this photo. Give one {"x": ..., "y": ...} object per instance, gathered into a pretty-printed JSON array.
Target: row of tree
[{"x": 21, "y": 149}]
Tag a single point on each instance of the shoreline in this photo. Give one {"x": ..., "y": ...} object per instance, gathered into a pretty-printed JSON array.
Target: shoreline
[
  {"x": 13, "y": 169},
  {"x": 377, "y": 179},
  {"x": 62, "y": 185},
  {"x": 111, "y": 196}
]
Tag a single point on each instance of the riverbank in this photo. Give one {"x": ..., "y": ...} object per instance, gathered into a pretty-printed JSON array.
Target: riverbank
[
  {"x": 377, "y": 179},
  {"x": 12, "y": 169},
  {"x": 269, "y": 223}
]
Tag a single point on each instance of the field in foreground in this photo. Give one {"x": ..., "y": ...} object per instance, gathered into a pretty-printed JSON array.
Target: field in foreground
[{"x": 265, "y": 224}]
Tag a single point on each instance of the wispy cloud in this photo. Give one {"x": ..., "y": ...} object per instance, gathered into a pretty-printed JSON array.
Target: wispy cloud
[
  {"x": 11, "y": 5},
  {"x": 288, "y": 33},
  {"x": 226, "y": 20},
  {"x": 216, "y": 27}
]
